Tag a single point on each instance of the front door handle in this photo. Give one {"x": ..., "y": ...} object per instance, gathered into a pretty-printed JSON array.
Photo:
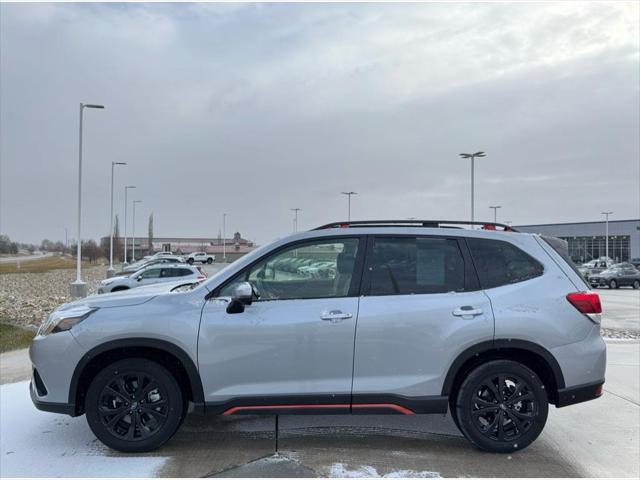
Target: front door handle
[
  {"x": 467, "y": 311},
  {"x": 335, "y": 316}
]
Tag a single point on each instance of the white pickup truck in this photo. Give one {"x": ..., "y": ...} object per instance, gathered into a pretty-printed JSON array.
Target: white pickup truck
[{"x": 201, "y": 257}]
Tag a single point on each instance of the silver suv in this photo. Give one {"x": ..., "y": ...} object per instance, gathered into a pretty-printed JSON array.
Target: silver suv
[{"x": 392, "y": 317}]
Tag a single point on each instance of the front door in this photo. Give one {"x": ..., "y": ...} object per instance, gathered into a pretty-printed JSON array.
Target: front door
[
  {"x": 420, "y": 308},
  {"x": 293, "y": 346}
]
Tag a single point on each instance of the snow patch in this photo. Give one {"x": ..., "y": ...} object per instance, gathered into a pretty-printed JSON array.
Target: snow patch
[
  {"x": 339, "y": 470},
  {"x": 41, "y": 444}
]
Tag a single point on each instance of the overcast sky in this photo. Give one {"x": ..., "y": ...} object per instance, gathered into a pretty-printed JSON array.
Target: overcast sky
[{"x": 256, "y": 109}]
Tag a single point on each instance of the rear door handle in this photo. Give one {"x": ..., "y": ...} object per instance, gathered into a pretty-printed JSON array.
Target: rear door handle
[
  {"x": 335, "y": 316},
  {"x": 467, "y": 311}
]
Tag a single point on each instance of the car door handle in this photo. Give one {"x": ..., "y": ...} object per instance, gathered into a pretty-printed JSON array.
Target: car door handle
[
  {"x": 335, "y": 316},
  {"x": 467, "y": 311}
]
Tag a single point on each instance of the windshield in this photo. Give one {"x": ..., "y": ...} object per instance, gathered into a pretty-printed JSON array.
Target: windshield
[{"x": 611, "y": 271}]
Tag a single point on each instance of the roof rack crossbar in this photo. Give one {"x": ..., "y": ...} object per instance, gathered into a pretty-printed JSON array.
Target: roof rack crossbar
[{"x": 413, "y": 223}]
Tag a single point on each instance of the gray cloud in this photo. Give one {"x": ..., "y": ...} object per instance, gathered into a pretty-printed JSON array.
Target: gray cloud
[{"x": 254, "y": 109}]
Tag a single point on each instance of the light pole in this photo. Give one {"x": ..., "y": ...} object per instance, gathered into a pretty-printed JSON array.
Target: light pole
[
  {"x": 133, "y": 228},
  {"x": 224, "y": 238},
  {"x": 295, "y": 219},
  {"x": 111, "y": 271},
  {"x": 79, "y": 288},
  {"x": 495, "y": 212},
  {"x": 472, "y": 156},
  {"x": 348, "y": 194},
  {"x": 126, "y": 189},
  {"x": 606, "y": 233}
]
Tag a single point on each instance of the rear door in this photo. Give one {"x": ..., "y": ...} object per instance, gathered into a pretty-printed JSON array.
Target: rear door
[{"x": 421, "y": 307}]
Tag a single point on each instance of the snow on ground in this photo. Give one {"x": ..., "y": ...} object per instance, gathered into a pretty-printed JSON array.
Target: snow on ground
[
  {"x": 41, "y": 444},
  {"x": 339, "y": 470}
]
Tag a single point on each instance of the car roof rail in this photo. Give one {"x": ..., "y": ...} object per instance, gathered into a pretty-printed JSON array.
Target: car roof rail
[{"x": 417, "y": 223}]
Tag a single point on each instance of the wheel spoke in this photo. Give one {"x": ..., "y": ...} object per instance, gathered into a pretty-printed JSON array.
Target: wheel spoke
[
  {"x": 526, "y": 396},
  {"x": 501, "y": 425},
  {"x": 149, "y": 410},
  {"x": 482, "y": 403},
  {"x": 524, "y": 416},
  {"x": 111, "y": 411},
  {"x": 116, "y": 419},
  {"x": 135, "y": 420},
  {"x": 494, "y": 390},
  {"x": 116, "y": 393},
  {"x": 516, "y": 421},
  {"x": 152, "y": 385}
]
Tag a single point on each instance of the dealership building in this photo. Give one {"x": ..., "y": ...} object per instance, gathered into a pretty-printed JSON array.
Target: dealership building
[{"x": 587, "y": 240}]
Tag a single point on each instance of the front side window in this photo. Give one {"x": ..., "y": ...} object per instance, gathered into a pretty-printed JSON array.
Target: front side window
[
  {"x": 151, "y": 273},
  {"x": 318, "y": 269},
  {"x": 410, "y": 265},
  {"x": 501, "y": 263}
]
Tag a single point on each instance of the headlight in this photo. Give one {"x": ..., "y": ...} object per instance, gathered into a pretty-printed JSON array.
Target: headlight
[{"x": 62, "y": 320}]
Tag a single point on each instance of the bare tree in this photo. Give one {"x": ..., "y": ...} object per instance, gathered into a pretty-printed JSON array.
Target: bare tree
[{"x": 150, "y": 237}]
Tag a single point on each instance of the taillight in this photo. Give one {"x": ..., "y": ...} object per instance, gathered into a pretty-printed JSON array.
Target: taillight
[
  {"x": 201, "y": 277},
  {"x": 587, "y": 303}
]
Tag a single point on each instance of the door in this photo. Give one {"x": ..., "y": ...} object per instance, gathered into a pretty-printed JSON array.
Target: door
[
  {"x": 421, "y": 308},
  {"x": 294, "y": 343}
]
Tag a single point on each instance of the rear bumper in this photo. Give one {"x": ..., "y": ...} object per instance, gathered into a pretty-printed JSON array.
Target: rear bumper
[{"x": 579, "y": 393}]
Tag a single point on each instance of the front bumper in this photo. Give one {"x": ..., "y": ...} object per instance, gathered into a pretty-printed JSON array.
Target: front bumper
[
  {"x": 598, "y": 282},
  {"x": 63, "y": 408}
]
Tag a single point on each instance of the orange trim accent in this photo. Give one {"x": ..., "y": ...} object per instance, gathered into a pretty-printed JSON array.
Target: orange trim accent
[
  {"x": 233, "y": 410},
  {"x": 390, "y": 406}
]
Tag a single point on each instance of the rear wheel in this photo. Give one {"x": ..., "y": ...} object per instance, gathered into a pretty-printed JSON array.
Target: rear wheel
[
  {"x": 636, "y": 284},
  {"x": 134, "y": 405},
  {"x": 613, "y": 284},
  {"x": 209, "y": 260},
  {"x": 190, "y": 261},
  {"x": 501, "y": 406}
]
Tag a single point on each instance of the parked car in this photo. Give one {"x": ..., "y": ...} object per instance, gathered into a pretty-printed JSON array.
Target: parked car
[
  {"x": 635, "y": 262},
  {"x": 157, "y": 273},
  {"x": 620, "y": 275},
  {"x": 201, "y": 257},
  {"x": 493, "y": 325},
  {"x": 595, "y": 266},
  {"x": 134, "y": 267}
]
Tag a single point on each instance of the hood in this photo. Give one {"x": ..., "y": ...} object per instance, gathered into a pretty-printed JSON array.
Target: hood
[{"x": 125, "y": 298}]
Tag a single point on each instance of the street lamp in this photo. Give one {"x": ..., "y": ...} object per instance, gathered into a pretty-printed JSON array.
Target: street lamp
[
  {"x": 348, "y": 194},
  {"x": 606, "y": 234},
  {"x": 295, "y": 219},
  {"x": 79, "y": 288},
  {"x": 495, "y": 212},
  {"x": 126, "y": 189},
  {"x": 224, "y": 238},
  {"x": 133, "y": 228},
  {"x": 472, "y": 156},
  {"x": 111, "y": 271}
]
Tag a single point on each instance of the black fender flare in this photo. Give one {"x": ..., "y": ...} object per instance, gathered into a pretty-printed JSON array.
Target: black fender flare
[
  {"x": 497, "y": 345},
  {"x": 192, "y": 372}
]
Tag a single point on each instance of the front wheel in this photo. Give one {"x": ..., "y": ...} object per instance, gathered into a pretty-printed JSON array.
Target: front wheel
[
  {"x": 134, "y": 405},
  {"x": 501, "y": 406},
  {"x": 613, "y": 284},
  {"x": 190, "y": 261},
  {"x": 209, "y": 261}
]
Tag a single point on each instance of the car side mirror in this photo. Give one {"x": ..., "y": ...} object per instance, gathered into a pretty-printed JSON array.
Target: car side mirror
[
  {"x": 242, "y": 295},
  {"x": 139, "y": 279}
]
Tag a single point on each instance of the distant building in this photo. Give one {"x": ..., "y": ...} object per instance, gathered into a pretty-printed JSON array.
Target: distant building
[
  {"x": 587, "y": 239},
  {"x": 235, "y": 247}
]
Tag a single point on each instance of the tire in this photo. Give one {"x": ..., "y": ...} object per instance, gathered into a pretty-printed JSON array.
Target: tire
[
  {"x": 190, "y": 261},
  {"x": 613, "y": 284},
  {"x": 119, "y": 289},
  {"x": 209, "y": 261},
  {"x": 119, "y": 384},
  {"x": 636, "y": 284},
  {"x": 521, "y": 420}
]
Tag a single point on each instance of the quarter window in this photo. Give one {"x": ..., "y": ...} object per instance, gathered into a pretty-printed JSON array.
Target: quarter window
[
  {"x": 410, "y": 265},
  {"x": 319, "y": 269},
  {"x": 501, "y": 263}
]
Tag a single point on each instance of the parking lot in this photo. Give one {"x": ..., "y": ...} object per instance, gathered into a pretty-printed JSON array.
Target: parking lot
[{"x": 598, "y": 438}]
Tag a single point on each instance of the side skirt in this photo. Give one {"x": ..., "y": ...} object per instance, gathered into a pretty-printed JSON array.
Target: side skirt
[{"x": 364, "y": 404}]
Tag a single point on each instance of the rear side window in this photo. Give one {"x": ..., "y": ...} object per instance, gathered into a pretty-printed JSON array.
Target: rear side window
[
  {"x": 409, "y": 265},
  {"x": 562, "y": 248},
  {"x": 501, "y": 263}
]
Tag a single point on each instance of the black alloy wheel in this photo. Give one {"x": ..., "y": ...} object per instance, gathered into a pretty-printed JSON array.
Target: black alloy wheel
[
  {"x": 501, "y": 406},
  {"x": 134, "y": 405}
]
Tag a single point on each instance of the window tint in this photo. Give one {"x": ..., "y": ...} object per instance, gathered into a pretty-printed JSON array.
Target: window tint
[
  {"x": 501, "y": 263},
  {"x": 319, "y": 269},
  {"x": 183, "y": 272},
  {"x": 406, "y": 265},
  {"x": 151, "y": 273}
]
